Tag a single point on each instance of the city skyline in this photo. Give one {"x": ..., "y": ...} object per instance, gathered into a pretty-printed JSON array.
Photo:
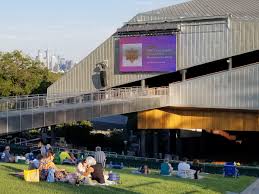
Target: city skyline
[
  {"x": 71, "y": 29},
  {"x": 53, "y": 61}
]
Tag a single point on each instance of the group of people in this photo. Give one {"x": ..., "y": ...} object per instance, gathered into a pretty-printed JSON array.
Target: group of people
[
  {"x": 184, "y": 169},
  {"x": 92, "y": 166},
  {"x": 88, "y": 167}
]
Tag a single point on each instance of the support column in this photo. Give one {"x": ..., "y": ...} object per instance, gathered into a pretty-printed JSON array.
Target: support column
[
  {"x": 143, "y": 143},
  {"x": 178, "y": 144},
  {"x": 183, "y": 72},
  {"x": 143, "y": 83},
  {"x": 230, "y": 63},
  {"x": 155, "y": 146},
  {"x": 53, "y": 136},
  {"x": 44, "y": 134},
  {"x": 168, "y": 146}
]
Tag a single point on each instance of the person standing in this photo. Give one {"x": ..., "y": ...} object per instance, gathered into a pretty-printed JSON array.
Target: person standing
[{"x": 100, "y": 156}]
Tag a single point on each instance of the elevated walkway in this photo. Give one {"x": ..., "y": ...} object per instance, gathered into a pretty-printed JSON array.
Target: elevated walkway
[
  {"x": 235, "y": 91},
  {"x": 27, "y": 112}
]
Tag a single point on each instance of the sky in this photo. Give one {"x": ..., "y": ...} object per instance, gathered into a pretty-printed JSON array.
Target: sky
[{"x": 69, "y": 28}]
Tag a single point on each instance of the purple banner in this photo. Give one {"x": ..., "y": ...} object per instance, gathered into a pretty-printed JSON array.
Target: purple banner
[{"x": 148, "y": 54}]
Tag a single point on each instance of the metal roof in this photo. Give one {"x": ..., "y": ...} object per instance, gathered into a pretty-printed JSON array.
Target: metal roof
[{"x": 242, "y": 9}]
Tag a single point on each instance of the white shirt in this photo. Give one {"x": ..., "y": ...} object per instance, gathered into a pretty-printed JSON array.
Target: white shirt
[
  {"x": 183, "y": 166},
  {"x": 80, "y": 170},
  {"x": 183, "y": 170}
]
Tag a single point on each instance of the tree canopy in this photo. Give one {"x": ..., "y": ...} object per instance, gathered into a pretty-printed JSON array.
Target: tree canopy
[{"x": 22, "y": 75}]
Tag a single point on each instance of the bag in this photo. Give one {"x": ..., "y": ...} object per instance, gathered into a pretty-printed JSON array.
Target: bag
[
  {"x": 51, "y": 175},
  {"x": 31, "y": 175},
  {"x": 60, "y": 175},
  {"x": 114, "y": 177},
  {"x": 43, "y": 174}
]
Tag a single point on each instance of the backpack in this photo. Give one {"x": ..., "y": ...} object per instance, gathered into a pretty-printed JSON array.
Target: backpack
[
  {"x": 114, "y": 177},
  {"x": 51, "y": 175}
]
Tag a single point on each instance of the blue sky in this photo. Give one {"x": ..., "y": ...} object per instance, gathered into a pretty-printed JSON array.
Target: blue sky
[{"x": 71, "y": 28}]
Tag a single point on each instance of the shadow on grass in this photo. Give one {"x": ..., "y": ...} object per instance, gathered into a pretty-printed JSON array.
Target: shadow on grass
[
  {"x": 143, "y": 184},
  {"x": 13, "y": 169}
]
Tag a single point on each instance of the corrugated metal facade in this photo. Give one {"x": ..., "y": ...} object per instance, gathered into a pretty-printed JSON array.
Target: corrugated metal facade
[
  {"x": 236, "y": 89},
  {"x": 197, "y": 43},
  {"x": 83, "y": 77},
  {"x": 245, "y": 9}
]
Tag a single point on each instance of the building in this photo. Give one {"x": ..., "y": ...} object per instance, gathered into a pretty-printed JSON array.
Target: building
[
  {"x": 207, "y": 53},
  {"x": 53, "y": 62}
]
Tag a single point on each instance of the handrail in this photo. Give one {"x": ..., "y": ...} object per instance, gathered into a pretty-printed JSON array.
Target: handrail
[{"x": 32, "y": 102}]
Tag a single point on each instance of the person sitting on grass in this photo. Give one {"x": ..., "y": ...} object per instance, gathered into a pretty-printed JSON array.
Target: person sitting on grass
[
  {"x": 184, "y": 169},
  {"x": 66, "y": 157},
  {"x": 6, "y": 156},
  {"x": 94, "y": 169},
  {"x": 196, "y": 167},
  {"x": 46, "y": 164},
  {"x": 166, "y": 168},
  {"x": 35, "y": 163},
  {"x": 81, "y": 169},
  {"x": 144, "y": 170}
]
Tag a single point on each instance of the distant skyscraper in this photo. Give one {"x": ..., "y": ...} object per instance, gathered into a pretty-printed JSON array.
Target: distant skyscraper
[
  {"x": 40, "y": 56},
  {"x": 54, "y": 62},
  {"x": 47, "y": 59}
]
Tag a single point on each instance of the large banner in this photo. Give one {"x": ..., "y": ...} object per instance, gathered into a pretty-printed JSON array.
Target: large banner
[{"x": 148, "y": 54}]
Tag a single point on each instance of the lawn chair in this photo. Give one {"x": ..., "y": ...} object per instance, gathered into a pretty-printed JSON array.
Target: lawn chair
[{"x": 230, "y": 170}]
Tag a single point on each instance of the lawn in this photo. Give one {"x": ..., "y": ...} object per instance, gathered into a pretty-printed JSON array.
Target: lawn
[{"x": 131, "y": 184}]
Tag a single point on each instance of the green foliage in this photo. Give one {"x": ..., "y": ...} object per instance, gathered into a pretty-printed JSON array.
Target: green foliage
[
  {"x": 76, "y": 133},
  {"x": 22, "y": 75},
  {"x": 79, "y": 134}
]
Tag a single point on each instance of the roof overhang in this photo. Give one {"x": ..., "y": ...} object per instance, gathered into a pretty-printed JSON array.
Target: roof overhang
[{"x": 166, "y": 26}]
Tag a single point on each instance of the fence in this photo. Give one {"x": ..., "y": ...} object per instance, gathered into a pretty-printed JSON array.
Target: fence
[{"x": 39, "y": 101}]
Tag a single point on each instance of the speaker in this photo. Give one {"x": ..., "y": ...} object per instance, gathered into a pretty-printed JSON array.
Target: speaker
[{"x": 103, "y": 78}]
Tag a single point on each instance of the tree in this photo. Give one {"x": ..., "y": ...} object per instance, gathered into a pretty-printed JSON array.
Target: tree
[{"x": 22, "y": 75}]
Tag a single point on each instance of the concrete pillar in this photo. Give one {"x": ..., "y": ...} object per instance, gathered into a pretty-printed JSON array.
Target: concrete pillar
[
  {"x": 178, "y": 144},
  {"x": 143, "y": 143},
  {"x": 155, "y": 145},
  {"x": 168, "y": 146},
  {"x": 183, "y": 72},
  {"x": 230, "y": 63},
  {"x": 53, "y": 136},
  {"x": 44, "y": 134},
  {"x": 143, "y": 83}
]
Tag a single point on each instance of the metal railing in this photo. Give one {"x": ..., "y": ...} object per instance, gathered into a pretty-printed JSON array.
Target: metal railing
[{"x": 42, "y": 100}]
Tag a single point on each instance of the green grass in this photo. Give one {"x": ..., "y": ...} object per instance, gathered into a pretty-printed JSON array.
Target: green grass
[{"x": 131, "y": 184}]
